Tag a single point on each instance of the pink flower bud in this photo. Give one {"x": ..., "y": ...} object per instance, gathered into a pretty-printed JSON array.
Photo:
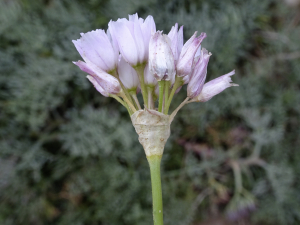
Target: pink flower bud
[
  {"x": 161, "y": 60},
  {"x": 215, "y": 86},
  {"x": 186, "y": 58},
  {"x": 96, "y": 48},
  {"x": 176, "y": 38},
  {"x": 107, "y": 82},
  {"x": 198, "y": 75}
]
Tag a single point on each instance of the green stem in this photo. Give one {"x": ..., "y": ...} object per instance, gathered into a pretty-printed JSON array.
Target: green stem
[
  {"x": 161, "y": 85},
  {"x": 118, "y": 99},
  {"x": 116, "y": 75},
  {"x": 154, "y": 163},
  {"x": 178, "y": 108},
  {"x": 122, "y": 102},
  {"x": 140, "y": 71},
  {"x": 136, "y": 101},
  {"x": 150, "y": 97},
  {"x": 129, "y": 103},
  {"x": 177, "y": 84},
  {"x": 128, "y": 109},
  {"x": 167, "y": 87},
  {"x": 237, "y": 176}
]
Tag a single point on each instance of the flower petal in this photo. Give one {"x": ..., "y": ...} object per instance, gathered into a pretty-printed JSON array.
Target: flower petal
[
  {"x": 121, "y": 31},
  {"x": 149, "y": 79},
  {"x": 186, "y": 58},
  {"x": 198, "y": 75},
  {"x": 105, "y": 80},
  {"x": 97, "y": 85},
  {"x": 128, "y": 75},
  {"x": 95, "y": 47},
  {"x": 215, "y": 86}
]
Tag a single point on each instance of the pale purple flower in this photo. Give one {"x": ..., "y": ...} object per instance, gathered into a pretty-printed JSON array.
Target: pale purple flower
[
  {"x": 107, "y": 82},
  {"x": 133, "y": 45},
  {"x": 186, "y": 58},
  {"x": 94, "y": 81},
  {"x": 198, "y": 75},
  {"x": 95, "y": 47},
  {"x": 149, "y": 79},
  {"x": 215, "y": 86},
  {"x": 161, "y": 60},
  {"x": 128, "y": 75},
  {"x": 133, "y": 37},
  {"x": 176, "y": 38}
]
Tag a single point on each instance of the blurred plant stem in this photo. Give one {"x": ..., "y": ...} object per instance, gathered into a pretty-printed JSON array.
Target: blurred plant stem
[{"x": 154, "y": 163}]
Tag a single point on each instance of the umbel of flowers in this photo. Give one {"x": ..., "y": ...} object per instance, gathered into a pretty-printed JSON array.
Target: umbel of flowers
[{"x": 132, "y": 57}]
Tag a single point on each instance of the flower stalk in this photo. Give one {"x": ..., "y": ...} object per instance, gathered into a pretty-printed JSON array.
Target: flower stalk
[
  {"x": 140, "y": 71},
  {"x": 132, "y": 55},
  {"x": 161, "y": 95},
  {"x": 136, "y": 100},
  {"x": 177, "y": 84},
  {"x": 129, "y": 103},
  {"x": 150, "y": 97},
  {"x": 166, "y": 95},
  {"x": 154, "y": 164}
]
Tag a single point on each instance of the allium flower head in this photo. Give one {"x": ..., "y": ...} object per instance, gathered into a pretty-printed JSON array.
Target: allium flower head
[{"x": 132, "y": 56}]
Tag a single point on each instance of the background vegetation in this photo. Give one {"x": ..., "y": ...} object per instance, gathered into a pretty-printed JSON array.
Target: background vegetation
[{"x": 70, "y": 156}]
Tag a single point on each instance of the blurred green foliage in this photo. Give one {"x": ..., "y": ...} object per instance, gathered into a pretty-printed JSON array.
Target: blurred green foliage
[{"x": 71, "y": 156}]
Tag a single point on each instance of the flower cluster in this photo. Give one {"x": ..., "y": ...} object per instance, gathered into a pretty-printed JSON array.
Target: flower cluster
[{"x": 132, "y": 57}]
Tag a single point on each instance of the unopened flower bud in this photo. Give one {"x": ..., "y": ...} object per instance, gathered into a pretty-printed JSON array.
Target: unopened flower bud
[
  {"x": 186, "y": 58},
  {"x": 198, "y": 75},
  {"x": 161, "y": 60},
  {"x": 215, "y": 86},
  {"x": 176, "y": 38}
]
